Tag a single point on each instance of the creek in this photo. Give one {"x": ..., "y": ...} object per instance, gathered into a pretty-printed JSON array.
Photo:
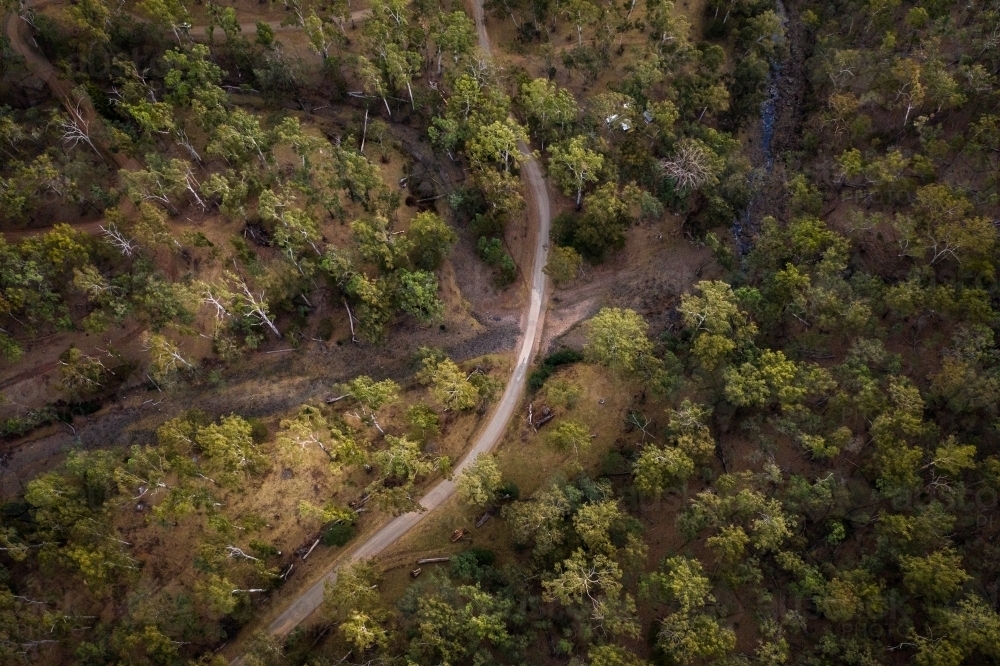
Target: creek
[{"x": 746, "y": 225}]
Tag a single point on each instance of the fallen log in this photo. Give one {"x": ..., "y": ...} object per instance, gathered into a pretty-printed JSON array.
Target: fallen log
[
  {"x": 542, "y": 421},
  {"x": 311, "y": 549}
]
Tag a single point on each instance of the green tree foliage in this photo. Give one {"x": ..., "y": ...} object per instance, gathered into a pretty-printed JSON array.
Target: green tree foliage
[
  {"x": 374, "y": 307},
  {"x": 418, "y": 295},
  {"x": 192, "y": 80},
  {"x": 328, "y": 513},
  {"x": 548, "y": 108},
  {"x": 372, "y": 396},
  {"x": 355, "y": 589},
  {"x": 455, "y": 34},
  {"x": 660, "y": 468},
  {"x": 563, "y": 265},
  {"x": 573, "y": 165},
  {"x": 613, "y": 655},
  {"x": 616, "y": 338},
  {"x": 570, "y": 435},
  {"x": 166, "y": 359},
  {"x": 480, "y": 482},
  {"x": 602, "y": 226},
  {"x": 497, "y": 144},
  {"x": 473, "y": 103},
  {"x": 80, "y": 374},
  {"x": 542, "y": 520},
  {"x": 717, "y": 322},
  {"x": 363, "y": 632},
  {"x": 323, "y": 35},
  {"x": 230, "y": 447},
  {"x": 938, "y": 577},
  {"x": 689, "y": 633},
  {"x": 308, "y": 430},
  {"x": 27, "y": 184},
  {"x": 169, "y": 13},
  {"x": 432, "y": 240},
  {"x": 35, "y": 276},
  {"x": 449, "y": 385},
  {"x": 449, "y": 631},
  {"x": 399, "y": 467},
  {"x": 424, "y": 422}
]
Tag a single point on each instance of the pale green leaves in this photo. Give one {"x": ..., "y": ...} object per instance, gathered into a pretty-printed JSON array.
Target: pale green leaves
[
  {"x": 616, "y": 338},
  {"x": 661, "y": 468},
  {"x": 230, "y": 446},
  {"x": 480, "y": 482},
  {"x": 449, "y": 385},
  {"x": 570, "y": 435},
  {"x": 573, "y": 165},
  {"x": 497, "y": 144},
  {"x": 689, "y": 634}
]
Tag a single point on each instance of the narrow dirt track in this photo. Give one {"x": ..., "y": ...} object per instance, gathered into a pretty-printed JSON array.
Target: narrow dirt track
[
  {"x": 532, "y": 323},
  {"x": 16, "y": 29}
]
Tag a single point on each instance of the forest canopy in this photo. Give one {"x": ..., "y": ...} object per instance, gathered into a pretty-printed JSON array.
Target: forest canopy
[{"x": 785, "y": 449}]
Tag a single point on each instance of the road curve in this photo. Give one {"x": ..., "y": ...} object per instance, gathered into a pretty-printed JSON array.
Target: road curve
[{"x": 490, "y": 436}]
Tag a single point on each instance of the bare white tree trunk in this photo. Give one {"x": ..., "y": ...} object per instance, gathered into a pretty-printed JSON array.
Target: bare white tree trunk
[
  {"x": 257, "y": 308},
  {"x": 118, "y": 240},
  {"x": 238, "y": 552},
  {"x": 76, "y": 130},
  {"x": 350, "y": 318}
]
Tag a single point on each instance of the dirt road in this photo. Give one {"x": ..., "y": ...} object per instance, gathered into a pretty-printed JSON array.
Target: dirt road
[{"x": 532, "y": 323}]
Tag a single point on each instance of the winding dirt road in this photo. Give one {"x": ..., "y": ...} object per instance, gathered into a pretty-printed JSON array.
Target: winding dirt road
[
  {"x": 532, "y": 322},
  {"x": 490, "y": 436}
]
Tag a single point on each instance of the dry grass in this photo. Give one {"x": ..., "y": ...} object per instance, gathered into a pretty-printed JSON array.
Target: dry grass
[
  {"x": 527, "y": 460},
  {"x": 167, "y": 552}
]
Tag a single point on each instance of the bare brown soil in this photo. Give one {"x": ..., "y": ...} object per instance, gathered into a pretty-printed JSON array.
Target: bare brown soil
[{"x": 649, "y": 275}]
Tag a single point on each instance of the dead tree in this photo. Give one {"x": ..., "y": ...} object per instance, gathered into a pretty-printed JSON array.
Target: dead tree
[
  {"x": 118, "y": 240},
  {"x": 238, "y": 552},
  {"x": 76, "y": 130},
  {"x": 690, "y": 167},
  {"x": 256, "y": 308}
]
